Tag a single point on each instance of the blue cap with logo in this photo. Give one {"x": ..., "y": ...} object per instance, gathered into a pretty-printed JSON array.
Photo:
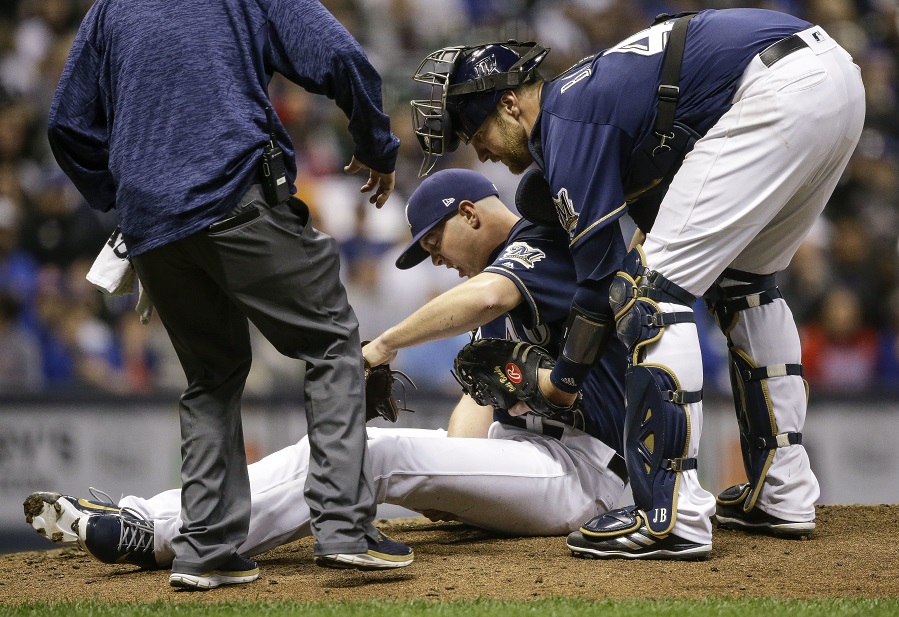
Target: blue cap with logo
[{"x": 435, "y": 200}]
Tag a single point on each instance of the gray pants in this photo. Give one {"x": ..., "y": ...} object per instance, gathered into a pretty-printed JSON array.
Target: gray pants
[{"x": 282, "y": 275}]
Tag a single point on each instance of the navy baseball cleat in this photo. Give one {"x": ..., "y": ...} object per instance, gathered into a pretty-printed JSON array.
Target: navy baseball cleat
[
  {"x": 235, "y": 571},
  {"x": 56, "y": 516},
  {"x": 119, "y": 538},
  {"x": 622, "y": 534},
  {"x": 729, "y": 514},
  {"x": 381, "y": 555}
]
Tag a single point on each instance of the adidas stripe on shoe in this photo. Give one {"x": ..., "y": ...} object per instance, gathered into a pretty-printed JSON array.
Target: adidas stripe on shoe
[{"x": 598, "y": 539}]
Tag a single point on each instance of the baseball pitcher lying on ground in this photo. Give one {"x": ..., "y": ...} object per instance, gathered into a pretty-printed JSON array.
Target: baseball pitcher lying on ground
[{"x": 523, "y": 475}]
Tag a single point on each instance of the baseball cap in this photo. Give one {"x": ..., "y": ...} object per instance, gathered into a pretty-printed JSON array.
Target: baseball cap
[{"x": 436, "y": 199}]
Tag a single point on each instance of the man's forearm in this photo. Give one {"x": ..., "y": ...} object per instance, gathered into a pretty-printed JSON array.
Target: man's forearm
[{"x": 461, "y": 309}]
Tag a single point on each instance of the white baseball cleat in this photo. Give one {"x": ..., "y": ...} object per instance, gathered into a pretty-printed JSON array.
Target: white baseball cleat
[{"x": 56, "y": 516}]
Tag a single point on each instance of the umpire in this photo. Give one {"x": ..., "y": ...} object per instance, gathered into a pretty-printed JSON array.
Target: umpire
[{"x": 161, "y": 114}]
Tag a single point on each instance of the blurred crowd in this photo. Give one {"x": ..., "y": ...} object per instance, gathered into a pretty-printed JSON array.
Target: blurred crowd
[{"x": 58, "y": 333}]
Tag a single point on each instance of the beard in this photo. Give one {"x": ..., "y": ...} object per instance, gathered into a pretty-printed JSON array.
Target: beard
[{"x": 516, "y": 156}]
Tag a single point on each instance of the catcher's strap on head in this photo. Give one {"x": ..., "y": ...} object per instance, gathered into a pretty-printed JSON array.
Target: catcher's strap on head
[
  {"x": 379, "y": 399},
  {"x": 499, "y": 373}
]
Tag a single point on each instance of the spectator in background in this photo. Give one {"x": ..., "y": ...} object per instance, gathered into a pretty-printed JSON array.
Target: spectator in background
[
  {"x": 18, "y": 268},
  {"x": 806, "y": 281},
  {"x": 79, "y": 349},
  {"x": 43, "y": 23},
  {"x": 854, "y": 266},
  {"x": 60, "y": 227},
  {"x": 839, "y": 352},
  {"x": 888, "y": 352},
  {"x": 20, "y": 352},
  {"x": 360, "y": 252}
]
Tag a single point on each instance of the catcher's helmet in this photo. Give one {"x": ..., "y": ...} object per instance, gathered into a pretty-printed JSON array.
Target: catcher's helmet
[{"x": 466, "y": 84}]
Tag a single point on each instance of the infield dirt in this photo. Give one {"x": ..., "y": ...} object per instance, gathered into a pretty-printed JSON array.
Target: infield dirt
[{"x": 853, "y": 553}]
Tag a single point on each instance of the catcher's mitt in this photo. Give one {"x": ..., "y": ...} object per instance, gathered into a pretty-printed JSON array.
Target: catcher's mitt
[
  {"x": 499, "y": 373},
  {"x": 379, "y": 399}
]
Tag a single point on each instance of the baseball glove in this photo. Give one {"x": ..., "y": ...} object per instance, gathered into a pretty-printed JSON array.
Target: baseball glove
[
  {"x": 379, "y": 399},
  {"x": 499, "y": 373}
]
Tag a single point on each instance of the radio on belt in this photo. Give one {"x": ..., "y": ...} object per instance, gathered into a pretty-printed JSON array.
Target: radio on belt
[{"x": 274, "y": 172}]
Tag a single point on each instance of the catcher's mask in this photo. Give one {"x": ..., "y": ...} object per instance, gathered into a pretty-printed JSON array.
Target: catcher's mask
[
  {"x": 466, "y": 84},
  {"x": 436, "y": 199}
]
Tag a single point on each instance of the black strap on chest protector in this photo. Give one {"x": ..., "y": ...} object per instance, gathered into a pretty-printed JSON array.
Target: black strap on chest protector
[{"x": 669, "y": 89}]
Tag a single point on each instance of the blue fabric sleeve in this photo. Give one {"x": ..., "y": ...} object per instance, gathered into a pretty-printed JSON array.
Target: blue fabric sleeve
[{"x": 77, "y": 126}]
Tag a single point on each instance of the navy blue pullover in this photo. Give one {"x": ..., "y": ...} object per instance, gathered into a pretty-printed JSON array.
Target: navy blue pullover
[{"x": 160, "y": 111}]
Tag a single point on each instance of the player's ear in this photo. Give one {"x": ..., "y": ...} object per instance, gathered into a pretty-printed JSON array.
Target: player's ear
[
  {"x": 509, "y": 103},
  {"x": 469, "y": 212}
]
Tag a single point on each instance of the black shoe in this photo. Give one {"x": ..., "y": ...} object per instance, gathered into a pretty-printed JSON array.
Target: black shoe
[
  {"x": 622, "y": 533},
  {"x": 729, "y": 514},
  {"x": 118, "y": 538},
  {"x": 381, "y": 555},
  {"x": 56, "y": 516},
  {"x": 235, "y": 571}
]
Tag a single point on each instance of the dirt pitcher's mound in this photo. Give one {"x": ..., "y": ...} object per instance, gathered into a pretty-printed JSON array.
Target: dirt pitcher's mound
[{"x": 853, "y": 553}]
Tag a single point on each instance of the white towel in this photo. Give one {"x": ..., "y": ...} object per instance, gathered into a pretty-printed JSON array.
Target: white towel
[{"x": 113, "y": 274}]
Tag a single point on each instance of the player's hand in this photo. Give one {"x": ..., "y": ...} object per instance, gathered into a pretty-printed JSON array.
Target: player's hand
[
  {"x": 556, "y": 396},
  {"x": 383, "y": 183},
  {"x": 376, "y": 353}
]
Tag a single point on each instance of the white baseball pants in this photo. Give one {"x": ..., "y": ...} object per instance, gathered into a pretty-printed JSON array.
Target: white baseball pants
[{"x": 516, "y": 481}]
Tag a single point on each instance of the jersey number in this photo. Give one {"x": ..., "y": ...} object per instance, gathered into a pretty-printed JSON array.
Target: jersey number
[{"x": 647, "y": 42}]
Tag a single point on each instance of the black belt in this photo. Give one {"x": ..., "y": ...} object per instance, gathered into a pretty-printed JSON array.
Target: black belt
[
  {"x": 781, "y": 49},
  {"x": 616, "y": 465}
]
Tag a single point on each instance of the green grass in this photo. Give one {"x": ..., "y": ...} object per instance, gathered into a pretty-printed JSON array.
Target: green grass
[{"x": 479, "y": 608}]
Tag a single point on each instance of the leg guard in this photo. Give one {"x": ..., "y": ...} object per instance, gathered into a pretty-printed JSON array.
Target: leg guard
[
  {"x": 657, "y": 436},
  {"x": 753, "y": 398},
  {"x": 657, "y": 425}
]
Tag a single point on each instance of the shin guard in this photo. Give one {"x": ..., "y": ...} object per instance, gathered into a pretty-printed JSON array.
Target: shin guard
[
  {"x": 657, "y": 439},
  {"x": 657, "y": 425},
  {"x": 754, "y": 401}
]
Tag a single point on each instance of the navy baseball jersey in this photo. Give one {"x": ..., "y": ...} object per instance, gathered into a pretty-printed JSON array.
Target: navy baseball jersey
[
  {"x": 594, "y": 115},
  {"x": 536, "y": 259}
]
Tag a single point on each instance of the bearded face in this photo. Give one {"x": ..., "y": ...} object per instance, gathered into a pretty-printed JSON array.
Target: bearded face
[{"x": 501, "y": 139}]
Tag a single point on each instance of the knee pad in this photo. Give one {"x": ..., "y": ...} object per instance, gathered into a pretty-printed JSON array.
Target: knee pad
[
  {"x": 634, "y": 295},
  {"x": 657, "y": 439},
  {"x": 759, "y": 434}
]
